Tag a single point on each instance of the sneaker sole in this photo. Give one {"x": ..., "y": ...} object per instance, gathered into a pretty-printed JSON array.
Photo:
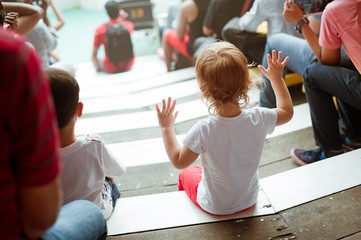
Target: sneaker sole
[
  {"x": 297, "y": 160},
  {"x": 348, "y": 148}
]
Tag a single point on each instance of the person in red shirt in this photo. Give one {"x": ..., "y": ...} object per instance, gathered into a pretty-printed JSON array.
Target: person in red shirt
[
  {"x": 116, "y": 15},
  {"x": 30, "y": 203}
]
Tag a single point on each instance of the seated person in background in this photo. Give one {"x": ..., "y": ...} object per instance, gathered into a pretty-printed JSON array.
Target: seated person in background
[
  {"x": 29, "y": 156},
  {"x": 299, "y": 52},
  {"x": 43, "y": 35},
  {"x": 171, "y": 22},
  {"x": 189, "y": 28},
  {"x": 219, "y": 12},
  {"x": 241, "y": 31},
  {"x": 119, "y": 56},
  {"x": 28, "y": 16},
  {"x": 87, "y": 162},
  {"x": 230, "y": 142},
  {"x": 334, "y": 74}
]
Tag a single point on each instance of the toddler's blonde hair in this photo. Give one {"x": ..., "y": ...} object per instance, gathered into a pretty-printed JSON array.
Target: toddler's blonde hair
[{"x": 223, "y": 76}]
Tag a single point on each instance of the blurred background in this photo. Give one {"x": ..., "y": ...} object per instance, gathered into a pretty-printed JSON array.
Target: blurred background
[{"x": 75, "y": 38}]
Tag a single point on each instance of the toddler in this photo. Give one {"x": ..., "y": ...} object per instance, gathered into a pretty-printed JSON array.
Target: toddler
[{"x": 229, "y": 142}]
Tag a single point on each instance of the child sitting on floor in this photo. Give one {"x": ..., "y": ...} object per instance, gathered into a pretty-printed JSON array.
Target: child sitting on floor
[
  {"x": 230, "y": 142},
  {"x": 87, "y": 164}
]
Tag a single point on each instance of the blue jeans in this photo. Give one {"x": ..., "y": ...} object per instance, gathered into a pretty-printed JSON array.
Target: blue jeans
[
  {"x": 321, "y": 84},
  {"x": 81, "y": 220},
  {"x": 300, "y": 54}
]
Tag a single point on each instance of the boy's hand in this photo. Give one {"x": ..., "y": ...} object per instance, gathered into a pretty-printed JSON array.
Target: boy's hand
[
  {"x": 166, "y": 118},
  {"x": 275, "y": 66}
]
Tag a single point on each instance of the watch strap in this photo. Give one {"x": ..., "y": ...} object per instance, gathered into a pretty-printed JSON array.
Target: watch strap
[{"x": 299, "y": 25}]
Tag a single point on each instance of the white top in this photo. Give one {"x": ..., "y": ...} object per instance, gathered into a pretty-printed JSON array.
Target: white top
[
  {"x": 85, "y": 164},
  {"x": 270, "y": 11},
  {"x": 230, "y": 150}
]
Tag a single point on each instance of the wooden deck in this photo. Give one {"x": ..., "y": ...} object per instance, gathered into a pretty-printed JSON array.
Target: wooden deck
[{"x": 120, "y": 108}]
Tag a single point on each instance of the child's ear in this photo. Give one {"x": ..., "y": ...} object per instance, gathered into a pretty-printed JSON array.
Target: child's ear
[
  {"x": 79, "y": 109},
  {"x": 201, "y": 88}
]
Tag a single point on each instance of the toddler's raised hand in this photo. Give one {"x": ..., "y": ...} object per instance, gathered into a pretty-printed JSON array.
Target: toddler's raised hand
[
  {"x": 166, "y": 118},
  {"x": 275, "y": 66}
]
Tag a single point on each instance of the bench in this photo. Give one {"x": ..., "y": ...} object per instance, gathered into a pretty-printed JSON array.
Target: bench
[{"x": 277, "y": 193}]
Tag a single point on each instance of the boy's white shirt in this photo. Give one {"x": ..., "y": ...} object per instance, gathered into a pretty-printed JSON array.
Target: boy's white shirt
[
  {"x": 230, "y": 150},
  {"x": 85, "y": 164}
]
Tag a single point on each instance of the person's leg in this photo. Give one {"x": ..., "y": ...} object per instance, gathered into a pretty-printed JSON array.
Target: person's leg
[
  {"x": 350, "y": 114},
  {"x": 168, "y": 51},
  {"x": 300, "y": 56},
  {"x": 79, "y": 220},
  {"x": 171, "y": 43},
  {"x": 322, "y": 82},
  {"x": 189, "y": 180}
]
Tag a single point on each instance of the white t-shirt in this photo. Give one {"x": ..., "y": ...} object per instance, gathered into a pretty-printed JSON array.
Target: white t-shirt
[
  {"x": 230, "y": 150},
  {"x": 85, "y": 164},
  {"x": 270, "y": 11}
]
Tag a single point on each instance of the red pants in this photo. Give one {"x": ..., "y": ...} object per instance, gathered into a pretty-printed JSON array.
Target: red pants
[
  {"x": 180, "y": 45},
  {"x": 189, "y": 180}
]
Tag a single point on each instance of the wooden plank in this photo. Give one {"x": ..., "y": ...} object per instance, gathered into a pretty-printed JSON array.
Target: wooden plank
[
  {"x": 313, "y": 181},
  {"x": 332, "y": 217},
  {"x": 336, "y": 216},
  {"x": 266, "y": 227},
  {"x": 165, "y": 210}
]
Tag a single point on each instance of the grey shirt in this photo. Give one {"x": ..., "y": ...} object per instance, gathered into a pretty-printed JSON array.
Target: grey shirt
[{"x": 44, "y": 39}]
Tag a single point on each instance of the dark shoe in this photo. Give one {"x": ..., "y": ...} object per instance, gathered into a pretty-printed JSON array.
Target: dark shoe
[
  {"x": 303, "y": 157},
  {"x": 349, "y": 145}
]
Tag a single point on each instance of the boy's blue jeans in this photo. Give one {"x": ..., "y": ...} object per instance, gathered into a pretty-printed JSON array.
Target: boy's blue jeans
[
  {"x": 79, "y": 220},
  {"x": 321, "y": 84}
]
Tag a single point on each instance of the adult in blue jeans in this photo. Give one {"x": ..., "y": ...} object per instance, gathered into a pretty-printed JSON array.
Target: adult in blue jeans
[
  {"x": 333, "y": 75},
  {"x": 300, "y": 56}
]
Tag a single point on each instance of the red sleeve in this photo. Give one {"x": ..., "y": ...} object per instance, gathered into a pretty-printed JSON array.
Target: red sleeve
[
  {"x": 99, "y": 36},
  {"x": 129, "y": 26}
]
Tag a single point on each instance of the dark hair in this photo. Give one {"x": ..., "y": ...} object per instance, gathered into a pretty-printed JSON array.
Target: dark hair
[
  {"x": 112, "y": 8},
  {"x": 65, "y": 90},
  {"x": 2, "y": 14}
]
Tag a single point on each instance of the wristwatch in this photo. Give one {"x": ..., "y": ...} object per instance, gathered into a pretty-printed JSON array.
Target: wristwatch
[{"x": 299, "y": 25}]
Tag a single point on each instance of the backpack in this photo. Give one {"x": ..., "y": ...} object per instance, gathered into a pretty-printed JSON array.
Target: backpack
[{"x": 119, "y": 45}]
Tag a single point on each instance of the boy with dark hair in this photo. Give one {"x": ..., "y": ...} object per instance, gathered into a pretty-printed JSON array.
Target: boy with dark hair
[
  {"x": 115, "y": 36},
  {"x": 87, "y": 163}
]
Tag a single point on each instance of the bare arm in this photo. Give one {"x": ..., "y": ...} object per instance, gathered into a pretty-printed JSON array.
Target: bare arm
[
  {"x": 246, "y": 6},
  {"x": 188, "y": 13},
  {"x": 274, "y": 72},
  {"x": 29, "y": 15},
  {"x": 180, "y": 157},
  {"x": 293, "y": 14},
  {"x": 60, "y": 23},
  {"x": 95, "y": 59},
  {"x": 39, "y": 207}
]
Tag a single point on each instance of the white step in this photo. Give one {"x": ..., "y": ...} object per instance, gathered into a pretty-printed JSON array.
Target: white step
[
  {"x": 278, "y": 192},
  {"x": 135, "y": 153}
]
